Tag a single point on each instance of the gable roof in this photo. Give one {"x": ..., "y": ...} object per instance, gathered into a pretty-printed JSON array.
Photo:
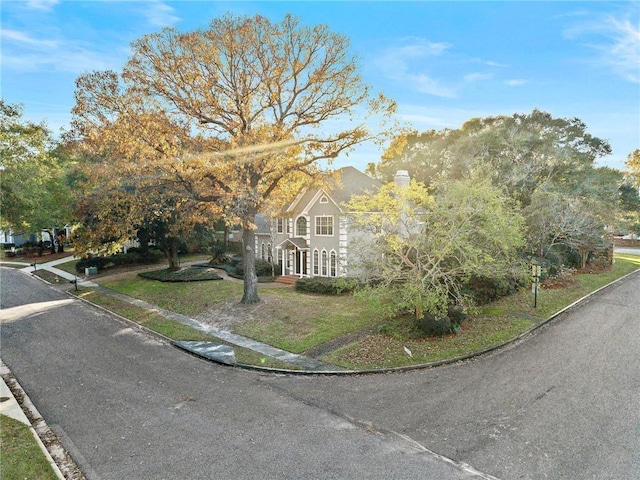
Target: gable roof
[
  {"x": 352, "y": 182},
  {"x": 348, "y": 182}
]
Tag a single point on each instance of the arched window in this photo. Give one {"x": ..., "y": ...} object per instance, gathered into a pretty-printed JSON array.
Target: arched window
[
  {"x": 324, "y": 263},
  {"x": 301, "y": 227},
  {"x": 316, "y": 262},
  {"x": 333, "y": 264}
]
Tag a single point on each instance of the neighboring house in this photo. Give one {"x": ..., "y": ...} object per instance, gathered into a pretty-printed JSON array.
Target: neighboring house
[
  {"x": 11, "y": 237},
  {"x": 312, "y": 236}
]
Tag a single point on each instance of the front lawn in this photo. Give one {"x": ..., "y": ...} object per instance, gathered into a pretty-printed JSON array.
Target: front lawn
[
  {"x": 297, "y": 322},
  {"x": 173, "y": 330}
]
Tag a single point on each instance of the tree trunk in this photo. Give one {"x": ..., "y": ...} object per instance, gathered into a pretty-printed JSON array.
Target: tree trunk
[
  {"x": 52, "y": 248},
  {"x": 143, "y": 239},
  {"x": 170, "y": 248},
  {"x": 584, "y": 256},
  {"x": 250, "y": 295}
]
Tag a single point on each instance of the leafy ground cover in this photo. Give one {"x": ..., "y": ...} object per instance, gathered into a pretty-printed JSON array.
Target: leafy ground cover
[
  {"x": 298, "y": 322},
  {"x": 21, "y": 455}
]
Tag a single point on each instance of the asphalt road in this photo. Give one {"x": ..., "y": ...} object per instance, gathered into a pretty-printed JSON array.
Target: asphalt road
[{"x": 565, "y": 403}]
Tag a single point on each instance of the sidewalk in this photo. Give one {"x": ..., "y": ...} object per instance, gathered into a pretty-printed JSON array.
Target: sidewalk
[{"x": 51, "y": 267}]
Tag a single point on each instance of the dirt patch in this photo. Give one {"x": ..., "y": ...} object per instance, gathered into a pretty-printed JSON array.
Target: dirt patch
[{"x": 226, "y": 314}]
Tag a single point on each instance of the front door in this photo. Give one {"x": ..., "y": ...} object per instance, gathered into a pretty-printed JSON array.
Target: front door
[{"x": 301, "y": 262}]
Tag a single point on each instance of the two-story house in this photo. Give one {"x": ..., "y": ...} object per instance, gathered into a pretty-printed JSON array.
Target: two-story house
[{"x": 312, "y": 237}]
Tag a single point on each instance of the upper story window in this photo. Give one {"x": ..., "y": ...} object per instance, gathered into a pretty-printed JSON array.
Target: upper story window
[
  {"x": 324, "y": 199},
  {"x": 324, "y": 225},
  {"x": 301, "y": 226},
  {"x": 280, "y": 225}
]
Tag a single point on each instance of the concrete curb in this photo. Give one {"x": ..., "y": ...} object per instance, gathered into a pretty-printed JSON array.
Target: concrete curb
[
  {"x": 54, "y": 451},
  {"x": 408, "y": 368}
]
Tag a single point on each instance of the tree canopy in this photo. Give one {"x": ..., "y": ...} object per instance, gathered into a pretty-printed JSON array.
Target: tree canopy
[
  {"x": 230, "y": 114},
  {"x": 418, "y": 251},
  {"x": 34, "y": 194},
  {"x": 546, "y": 164}
]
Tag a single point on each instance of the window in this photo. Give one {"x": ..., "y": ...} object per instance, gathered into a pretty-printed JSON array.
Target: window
[
  {"x": 324, "y": 263},
  {"x": 332, "y": 264},
  {"x": 280, "y": 228},
  {"x": 324, "y": 226},
  {"x": 316, "y": 262},
  {"x": 324, "y": 199},
  {"x": 269, "y": 253},
  {"x": 262, "y": 247},
  {"x": 301, "y": 227}
]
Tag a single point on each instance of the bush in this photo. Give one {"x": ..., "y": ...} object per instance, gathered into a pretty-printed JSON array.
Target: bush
[
  {"x": 437, "y": 326},
  {"x": 485, "y": 290},
  {"x": 120, "y": 259},
  {"x": 99, "y": 262},
  {"x": 327, "y": 286},
  {"x": 235, "y": 268}
]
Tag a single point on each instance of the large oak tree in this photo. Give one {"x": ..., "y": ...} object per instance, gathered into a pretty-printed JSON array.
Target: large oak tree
[{"x": 235, "y": 114}]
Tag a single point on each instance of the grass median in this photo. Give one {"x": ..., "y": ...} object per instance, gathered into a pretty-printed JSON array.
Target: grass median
[
  {"x": 172, "y": 329},
  {"x": 297, "y": 322},
  {"x": 21, "y": 455}
]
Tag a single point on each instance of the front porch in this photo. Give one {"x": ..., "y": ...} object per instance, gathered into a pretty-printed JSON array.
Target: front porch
[{"x": 293, "y": 258}]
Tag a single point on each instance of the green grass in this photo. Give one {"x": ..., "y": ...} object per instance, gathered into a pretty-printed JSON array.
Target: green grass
[
  {"x": 50, "y": 276},
  {"x": 189, "y": 274},
  {"x": 174, "y": 330},
  {"x": 297, "y": 322},
  {"x": 69, "y": 267},
  {"x": 554, "y": 300},
  {"x": 186, "y": 298},
  {"x": 21, "y": 455}
]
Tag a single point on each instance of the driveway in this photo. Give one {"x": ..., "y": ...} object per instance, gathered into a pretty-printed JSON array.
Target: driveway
[{"x": 564, "y": 403}]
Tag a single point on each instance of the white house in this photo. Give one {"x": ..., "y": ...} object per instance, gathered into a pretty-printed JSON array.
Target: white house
[{"x": 312, "y": 237}]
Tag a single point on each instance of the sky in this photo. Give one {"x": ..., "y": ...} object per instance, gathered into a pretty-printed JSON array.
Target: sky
[{"x": 442, "y": 62}]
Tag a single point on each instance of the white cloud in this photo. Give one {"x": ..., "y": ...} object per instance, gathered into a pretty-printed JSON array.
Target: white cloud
[
  {"x": 616, "y": 42},
  {"x": 41, "y": 5},
  {"x": 159, "y": 14},
  {"x": 516, "y": 82},
  {"x": 402, "y": 65},
  {"x": 477, "y": 77},
  {"x": 22, "y": 52},
  {"x": 25, "y": 39}
]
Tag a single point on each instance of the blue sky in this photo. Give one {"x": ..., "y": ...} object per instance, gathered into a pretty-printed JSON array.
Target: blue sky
[{"x": 443, "y": 62}]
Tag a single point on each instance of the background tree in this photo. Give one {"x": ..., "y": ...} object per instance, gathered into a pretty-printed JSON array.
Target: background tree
[
  {"x": 633, "y": 166},
  {"x": 537, "y": 159},
  {"x": 116, "y": 209},
  {"x": 630, "y": 194},
  {"x": 418, "y": 251},
  {"x": 34, "y": 192},
  {"x": 232, "y": 113},
  {"x": 520, "y": 153}
]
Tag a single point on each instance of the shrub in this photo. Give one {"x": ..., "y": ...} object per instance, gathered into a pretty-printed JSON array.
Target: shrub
[
  {"x": 437, "y": 326},
  {"x": 99, "y": 262},
  {"x": 120, "y": 259},
  {"x": 235, "y": 268},
  {"x": 485, "y": 290},
  {"x": 327, "y": 286}
]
